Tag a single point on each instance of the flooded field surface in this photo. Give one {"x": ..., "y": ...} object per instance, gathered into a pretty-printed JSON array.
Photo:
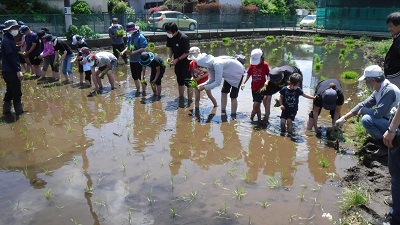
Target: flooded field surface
[{"x": 119, "y": 158}]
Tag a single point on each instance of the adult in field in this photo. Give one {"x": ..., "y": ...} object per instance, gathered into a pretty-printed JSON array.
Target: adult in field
[
  {"x": 375, "y": 111},
  {"x": 278, "y": 78},
  {"x": 391, "y": 64},
  {"x": 328, "y": 96},
  {"x": 179, "y": 46},
  {"x": 116, "y": 33},
  {"x": 11, "y": 69},
  {"x": 228, "y": 68},
  {"x": 33, "y": 49},
  {"x": 391, "y": 139},
  {"x": 105, "y": 63}
]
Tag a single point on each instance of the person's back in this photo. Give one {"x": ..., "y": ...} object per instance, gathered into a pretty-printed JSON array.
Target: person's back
[{"x": 104, "y": 58}]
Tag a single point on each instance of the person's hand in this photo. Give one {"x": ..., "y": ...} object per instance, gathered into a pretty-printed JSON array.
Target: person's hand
[
  {"x": 26, "y": 54},
  {"x": 242, "y": 87},
  {"x": 40, "y": 57},
  {"x": 339, "y": 122},
  {"x": 174, "y": 62},
  {"x": 359, "y": 114},
  {"x": 388, "y": 138},
  {"x": 266, "y": 83},
  {"x": 200, "y": 87},
  {"x": 282, "y": 107},
  {"x": 20, "y": 75}
]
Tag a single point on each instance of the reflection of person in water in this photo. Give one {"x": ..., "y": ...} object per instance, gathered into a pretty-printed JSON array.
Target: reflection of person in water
[
  {"x": 148, "y": 121},
  {"x": 180, "y": 142},
  {"x": 204, "y": 148},
  {"x": 315, "y": 155}
]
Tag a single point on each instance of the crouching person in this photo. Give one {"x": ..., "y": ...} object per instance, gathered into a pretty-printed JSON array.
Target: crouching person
[{"x": 102, "y": 63}]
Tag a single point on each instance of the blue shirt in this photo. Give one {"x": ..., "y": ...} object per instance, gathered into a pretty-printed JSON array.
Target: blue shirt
[
  {"x": 30, "y": 40},
  {"x": 136, "y": 41},
  {"x": 9, "y": 54}
]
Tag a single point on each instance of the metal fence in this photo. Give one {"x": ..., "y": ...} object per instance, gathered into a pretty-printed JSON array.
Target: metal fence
[
  {"x": 100, "y": 23},
  {"x": 353, "y": 19}
]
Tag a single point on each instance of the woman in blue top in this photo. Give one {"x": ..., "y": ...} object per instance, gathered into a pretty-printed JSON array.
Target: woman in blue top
[{"x": 136, "y": 44}]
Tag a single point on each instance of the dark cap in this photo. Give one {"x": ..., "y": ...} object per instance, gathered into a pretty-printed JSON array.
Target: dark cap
[
  {"x": 329, "y": 97},
  {"x": 275, "y": 75},
  {"x": 2, "y": 26},
  {"x": 146, "y": 58},
  {"x": 23, "y": 29},
  {"x": 21, "y": 23},
  {"x": 10, "y": 23}
]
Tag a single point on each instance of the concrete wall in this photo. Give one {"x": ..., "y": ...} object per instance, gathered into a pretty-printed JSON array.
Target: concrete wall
[
  {"x": 138, "y": 5},
  {"x": 96, "y": 5},
  {"x": 232, "y": 2}
]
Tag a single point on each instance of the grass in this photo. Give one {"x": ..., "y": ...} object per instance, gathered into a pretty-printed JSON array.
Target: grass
[
  {"x": 349, "y": 75},
  {"x": 360, "y": 133},
  {"x": 352, "y": 197}
]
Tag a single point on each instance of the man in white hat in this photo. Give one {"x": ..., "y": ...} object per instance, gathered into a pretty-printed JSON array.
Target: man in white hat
[
  {"x": 376, "y": 109},
  {"x": 222, "y": 67},
  {"x": 11, "y": 69}
]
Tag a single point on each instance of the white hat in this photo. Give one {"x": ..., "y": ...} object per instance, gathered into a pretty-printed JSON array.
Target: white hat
[
  {"x": 255, "y": 57},
  {"x": 193, "y": 53},
  {"x": 372, "y": 71}
]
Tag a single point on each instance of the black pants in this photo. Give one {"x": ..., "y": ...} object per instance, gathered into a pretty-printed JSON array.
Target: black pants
[
  {"x": 117, "y": 49},
  {"x": 13, "y": 84}
]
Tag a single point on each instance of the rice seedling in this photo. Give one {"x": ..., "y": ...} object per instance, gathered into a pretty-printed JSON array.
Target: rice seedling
[
  {"x": 171, "y": 181},
  {"x": 355, "y": 56},
  {"x": 191, "y": 83},
  {"x": 323, "y": 161},
  {"x": 264, "y": 203},
  {"x": 151, "y": 46},
  {"x": 351, "y": 75},
  {"x": 301, "y": 196},
  {"x": 16, "y": 206},
  {"x": 318, "y": 40},
  {"x": 88, "y": 190},
  {"x": 249, "y": 221},
  {"x": 60, "y": 153},
  {"x": 222, "y": 212},
  {"x": 217, "y": 182},
  {"x": 232, "y": 171},
  {"x": 150, "y": 196},
  {"x": 272, "y": 182},
  {"x": 120, "y": 73},
  {"x": 146, "y": 175},
  {"x": 120, "y": 32},
  {"x": 181, "y": 152},
  {"x": 349, "y": 41},
  {"x": 47, "y": 171},
  {"x": 129, "y": 218},
  {"x": 240, "y": 192},
  {"x": 174, "y": 213},
  {"x": 292, "y": 217},
  {"x": 238, "y": 215},
  {"x": 49, "y": 194},
  {"x": 317, "y": 66},
  {"x": 185, "y": 174},
  {"x": 75, "y": 222},
  {"x": 226, "y": 41},
  {"x": 123, "y": 166},
  {"x": 246, "y": 177},
  {"x": 189, "y": 197},
  {"x": 353, "y": 196}
]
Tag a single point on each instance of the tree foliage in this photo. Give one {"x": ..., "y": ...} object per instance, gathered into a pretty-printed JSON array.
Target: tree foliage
[
  {"x": 80, "y": 7},
  {"x": 216, "y": 8},
  {"x": 27, "y": 7},
  {"x": 271, "y": 7},
  {"x": 306, "y": 4}
]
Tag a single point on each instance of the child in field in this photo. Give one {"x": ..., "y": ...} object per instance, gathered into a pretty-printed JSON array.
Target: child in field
[
  {"x": 289, "y": 101},
  {"x": 258, "y": 70},
  {"x": 86, "y": 66},
  {"x": 157, "y": 71},
  {"x": 200, "y": 76}
]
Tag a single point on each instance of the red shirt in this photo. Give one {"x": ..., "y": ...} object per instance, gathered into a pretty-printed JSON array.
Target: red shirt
[
  {"x": 196, "y": 71},
  {"x": 258, "y": 75}
]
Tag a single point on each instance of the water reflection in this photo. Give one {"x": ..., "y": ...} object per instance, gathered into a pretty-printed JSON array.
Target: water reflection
[{"x": 62, "y": 123}]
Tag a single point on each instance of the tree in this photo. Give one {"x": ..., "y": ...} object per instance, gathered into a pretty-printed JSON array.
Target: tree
[
  {"x": 80, "y": 7},
  {"x": 29, "y": 7},
  {"x": 271, "y": 7}
]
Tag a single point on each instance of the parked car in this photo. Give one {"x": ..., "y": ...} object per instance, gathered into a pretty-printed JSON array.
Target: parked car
[
  {"x": 158, "y": 20},
  {"x": 308, "y": 21}
]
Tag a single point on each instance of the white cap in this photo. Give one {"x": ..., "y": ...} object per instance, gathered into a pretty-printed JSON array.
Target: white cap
[
  {"x": 372, "y": 71},
  {"x": 255, "y": 57},
  {"x": 193, "y": 53}
]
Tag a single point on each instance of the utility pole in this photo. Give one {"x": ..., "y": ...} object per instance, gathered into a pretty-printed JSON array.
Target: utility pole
[{"x": 67, "y": 12}]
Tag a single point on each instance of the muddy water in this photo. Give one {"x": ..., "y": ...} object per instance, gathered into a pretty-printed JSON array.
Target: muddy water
[{"x": 121, "y": 159}]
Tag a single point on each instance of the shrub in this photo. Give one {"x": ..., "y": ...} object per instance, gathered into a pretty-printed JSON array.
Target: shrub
[
  {"x": 351, "y": 75},
  {"x": 208, "y": 8},
  {"x": 80, "y": 7},
  {"x": 156, "y": 9},
  {"x": 85, "y": 31},
  {"x": 72, "y": 30},
  {"x": 143, "y": 25}
]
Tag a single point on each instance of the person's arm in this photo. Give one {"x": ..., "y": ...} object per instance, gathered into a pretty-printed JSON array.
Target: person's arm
[
  {"x": 305, "y": 95},
  {"x": 218, "y": 70},
  {"x": 382, "y": 107},
  {"x": 31, "y": 49},
  {"x": 201, "y": 76},
  {"x": 391, "y": 132},
  {"x": 336, "y": 116},
  {"x": 281, "y": 102},
  {"x": 158, "y": 70},
  {"x": 245, "y": 80},
  {"x": 10, "y": 58},
  {"x": 170, "y": 53}
]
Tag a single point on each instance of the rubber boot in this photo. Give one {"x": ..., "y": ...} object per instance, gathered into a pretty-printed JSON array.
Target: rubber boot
[
  {"x": 18, "y": 108},
  {"x": 7, "y": 107}
]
